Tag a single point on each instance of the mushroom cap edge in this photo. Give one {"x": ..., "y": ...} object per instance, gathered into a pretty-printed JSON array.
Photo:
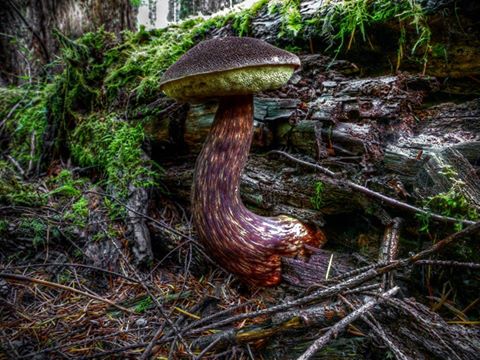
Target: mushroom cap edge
[{"x": 232, "y": 65}]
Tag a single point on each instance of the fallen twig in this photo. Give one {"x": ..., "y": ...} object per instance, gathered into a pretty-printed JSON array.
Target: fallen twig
[
  {"x": 373, "y": 194},
  {"x": 389, "y": 249},
  {"x": 378, "y": 330},
  {"x": 449, "y": 263},
  {"x": 208, "y": 347},
  {"x": 316, "y": 295},
  {"x": 71, "y": 265},
  {"x": 16, "y": 164},
  {"x": 32, "y": 153},
  {"x": 64, "y": 287},
  {"x": 342, "y": 324}
]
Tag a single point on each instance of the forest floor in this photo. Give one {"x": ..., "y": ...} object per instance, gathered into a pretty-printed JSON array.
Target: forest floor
[{"x": 98, "y": 255}]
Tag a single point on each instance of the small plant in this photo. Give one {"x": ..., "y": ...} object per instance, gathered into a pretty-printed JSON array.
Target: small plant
[
  {"x": 241, "y": 22},
  {"x": 78, "y": 214},
  {"x": 65, "y": 277},
  {"x": 66, "y": 185},
  {"x": 317, "y": 199},
  {"x": 292, "y": 22},
  {"x": 136, "y": 3},
  {"x": 80, "y": 207},
  {"x": 143, "y": 305},
  {"x": 36, "y": 229},
  {"x": 452, "y": 203},
  {"x": 344, "y": 20},
  {"x": 3, "y": 226}
]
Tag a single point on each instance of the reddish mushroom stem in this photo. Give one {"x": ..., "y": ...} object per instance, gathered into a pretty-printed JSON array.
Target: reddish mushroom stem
[{"x": 242, "y": 242}]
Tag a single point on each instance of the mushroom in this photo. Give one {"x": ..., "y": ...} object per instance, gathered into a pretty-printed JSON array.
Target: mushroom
[{"x": 232, "y": 69}]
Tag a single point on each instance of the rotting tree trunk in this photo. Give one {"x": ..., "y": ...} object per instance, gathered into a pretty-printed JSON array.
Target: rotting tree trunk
[
  {"x": 382, "y": 142},
  {"x": 454, "y": 42},
  {"x": 371, "y": 129}
]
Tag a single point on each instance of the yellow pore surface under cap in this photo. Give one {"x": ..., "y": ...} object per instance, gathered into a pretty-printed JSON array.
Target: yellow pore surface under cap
[{"x": 241, "y": 81}]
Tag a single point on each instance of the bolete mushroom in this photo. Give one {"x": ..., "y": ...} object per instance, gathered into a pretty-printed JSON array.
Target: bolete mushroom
[{"x": 232, "y": 69}]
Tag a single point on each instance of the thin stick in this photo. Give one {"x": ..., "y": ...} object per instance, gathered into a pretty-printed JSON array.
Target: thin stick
[
  {"x": 63, "y": 287},
  {"x": 342, "y": 324},
  {"x": 317, "y": 295},
  {"x": 389, "y": 249},
  {"x": 377, "y": 329},
  {"x": 16, "y": 164},
  {"x": 373, "y": 194},
  {"x": 32, "y": 153},
  {"x": 208, "y": 347},
  {"x": 449, "y": 263},
  {"x": 72, "y": 265}
]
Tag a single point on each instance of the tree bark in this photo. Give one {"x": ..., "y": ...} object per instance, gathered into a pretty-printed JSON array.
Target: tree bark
[
  {"x": 373, "y": 130},
  {"x": 26, "y": 28}
]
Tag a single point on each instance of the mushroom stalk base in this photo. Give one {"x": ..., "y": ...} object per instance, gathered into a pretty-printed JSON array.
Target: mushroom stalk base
[{"x": 242, "y": 242}]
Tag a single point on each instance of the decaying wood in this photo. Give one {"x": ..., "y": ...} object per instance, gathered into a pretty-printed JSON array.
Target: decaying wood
[
  {"x": 404, "y": 344},
  {"x": 359, "y": 127},
  {"x": 458, "y": 46},
  {"x": 446, "y": 135},
  {"x": 100, "y": 249},
  {"x": 361, "y": 138},
  {"x": 342, "y": 324},
  {"x": 389, "y": 249}
]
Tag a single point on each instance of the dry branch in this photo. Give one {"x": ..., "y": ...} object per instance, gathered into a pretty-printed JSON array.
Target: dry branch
[
  {"x": 342, "y": 324},
  {"x": 373, "y": 194},
  {"x": 64, "y": 287}
]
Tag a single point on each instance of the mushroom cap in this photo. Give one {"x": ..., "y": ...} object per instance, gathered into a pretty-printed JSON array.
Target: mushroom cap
[{"x": 228, "y": 66}]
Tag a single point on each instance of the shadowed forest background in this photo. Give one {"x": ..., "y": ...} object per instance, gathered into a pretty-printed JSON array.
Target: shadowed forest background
[{"x": 375, "y": 140}]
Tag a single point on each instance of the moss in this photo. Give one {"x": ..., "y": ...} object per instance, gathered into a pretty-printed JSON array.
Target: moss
[
  {"x": 64, "y": 184},
  {"x": 86, "y": 61},
  {"x": 24, "y": 112},
  {"x": 317, "y": 199},
  {"x": 451, "y": 203},
  {"x": 36, "y": 229},
  {"x": 146, "y": 55},
  {"x": 78, "y": 213},
  {"x": 143, "y": 305},
  {"x": 113, "y": 147},
  {"x": 347, "y": 20},
  {"x": 136, "y": 3},
  {"x": 3, "y": 227},
  {"x": 111, "y": 144},
  {"x": 13, "y": 191},
  {"x": 9, "y": 98},
  {"x": 241, "y": 22},
  {"x": 291, "y": 19}
]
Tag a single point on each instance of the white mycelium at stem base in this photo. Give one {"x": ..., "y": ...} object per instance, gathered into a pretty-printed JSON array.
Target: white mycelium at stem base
[{"x": 242, "y": 242}]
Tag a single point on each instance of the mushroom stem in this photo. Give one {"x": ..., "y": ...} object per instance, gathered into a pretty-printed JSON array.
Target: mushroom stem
[{"x": 242, "y": 242}]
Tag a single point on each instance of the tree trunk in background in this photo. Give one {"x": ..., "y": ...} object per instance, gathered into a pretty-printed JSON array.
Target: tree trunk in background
[
  {"x": 26, "y": 37},
  {"x": 181, "y": 9}
]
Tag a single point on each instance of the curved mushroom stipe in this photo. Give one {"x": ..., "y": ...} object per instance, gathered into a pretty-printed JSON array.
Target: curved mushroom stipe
[{"x": 248, "y": 245}]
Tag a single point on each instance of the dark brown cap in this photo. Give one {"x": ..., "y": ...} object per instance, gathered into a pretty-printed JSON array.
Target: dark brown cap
[{"x": 222, "y": 56}]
